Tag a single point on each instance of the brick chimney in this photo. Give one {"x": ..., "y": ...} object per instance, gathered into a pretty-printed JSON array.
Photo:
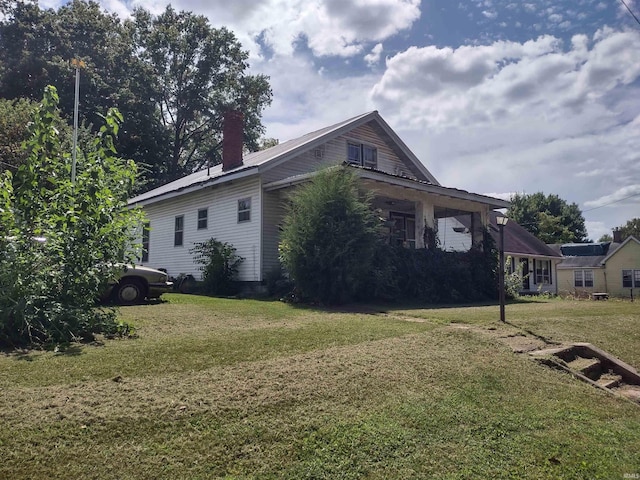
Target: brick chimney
[
  {"x": 232, "y": 139},
  {"x": 617, "y": 235}
]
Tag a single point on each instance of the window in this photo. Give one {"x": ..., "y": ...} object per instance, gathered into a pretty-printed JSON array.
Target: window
[
  {"x": 244, "y": 210},
  {"x": 631, "y": 278},
  {"x": 543, "y": 272},
  {"x": 403, "y": 230},
  {"x": 583, "y": 278},
  {"x": 178, "y": 231},
  {"x": 203, "y": 214},
  {"x": 588, "y": 278},
  {"x": 146, "y": 227},
  {"x": 363, "y": 155},
  {"x": 577, "y": 278}
]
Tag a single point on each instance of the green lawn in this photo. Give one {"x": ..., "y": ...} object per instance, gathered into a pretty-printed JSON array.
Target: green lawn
[{"x": 217, "y": 388}]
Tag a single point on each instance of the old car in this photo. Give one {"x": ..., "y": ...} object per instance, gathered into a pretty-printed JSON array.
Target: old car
[{"x": 134, "y": 283}]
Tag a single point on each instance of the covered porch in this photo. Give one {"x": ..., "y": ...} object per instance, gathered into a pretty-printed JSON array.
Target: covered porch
[{"x": 417, "y": 212}]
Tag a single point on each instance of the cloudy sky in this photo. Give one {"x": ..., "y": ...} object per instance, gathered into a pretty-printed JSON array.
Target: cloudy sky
[{"x": 494, "y": 96}]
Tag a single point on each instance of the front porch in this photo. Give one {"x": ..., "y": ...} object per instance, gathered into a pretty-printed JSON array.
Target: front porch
[{"x": 422, "y": 215}]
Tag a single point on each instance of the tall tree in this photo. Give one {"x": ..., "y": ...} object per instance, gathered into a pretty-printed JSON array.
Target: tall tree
[
  {"x": 631, "y": 228},
  {"x": 15, "y": 118},
  {"x": 171, "y": 76},
  {"x": 198, "y": 72},
  {"x": 548, "y": 217}
]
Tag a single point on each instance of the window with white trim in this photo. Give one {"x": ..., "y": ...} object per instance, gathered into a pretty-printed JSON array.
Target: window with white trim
[
  {"x": 588, "y": 278},
  {"x": 583, "y": 278},
  {"x": 543, "y": 272},
  {"x": 203, "y": 216},
  {"x": 361, "y": 154},
  {"x": 631, "y": 278},
  {"x": 178, "y": 231},
  {"x": 244, "y": 210}
]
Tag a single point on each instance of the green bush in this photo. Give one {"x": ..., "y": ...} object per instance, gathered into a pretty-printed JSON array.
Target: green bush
[
  {"x": 433, "y": 275},
  {"x": 48, "y": 287},
  {"x": 328, "y": 237},
  {"x": 219, "y": 265}
]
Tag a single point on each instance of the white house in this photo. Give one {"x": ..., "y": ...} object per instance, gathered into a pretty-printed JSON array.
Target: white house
[
  {"x": 241, "y": 201},
  {"x": 534, "y": 261}
]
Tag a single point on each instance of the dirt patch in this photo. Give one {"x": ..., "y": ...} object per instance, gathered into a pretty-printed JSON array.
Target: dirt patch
[{"x": 517, "y": 341}]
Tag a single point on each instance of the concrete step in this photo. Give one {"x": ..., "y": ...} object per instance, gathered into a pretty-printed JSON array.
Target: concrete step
[
  {"x": 632, "y": 392},
  {"x": 589, "y": 367},
  {"x": 609, "y": 380}
]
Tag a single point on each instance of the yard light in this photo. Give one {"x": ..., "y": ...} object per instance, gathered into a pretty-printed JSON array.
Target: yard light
[{"x": 502, "y": 221}]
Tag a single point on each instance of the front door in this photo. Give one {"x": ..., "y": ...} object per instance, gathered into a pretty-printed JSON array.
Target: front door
[
  {"x": 524, "y": 263},
  {"x": 403, "y": 230}
]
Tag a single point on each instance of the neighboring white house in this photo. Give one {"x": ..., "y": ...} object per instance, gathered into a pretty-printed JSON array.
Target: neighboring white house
[
  {"x": 242, "y": 200},
  {"x": 534, "y": 261}
]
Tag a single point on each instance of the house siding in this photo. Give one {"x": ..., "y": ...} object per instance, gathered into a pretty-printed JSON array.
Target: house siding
[
  {"x": 627, "y": 257},
  {"x": 449, "y": 239},
  {"x": 222, "y": 204},
  {"x": 334, "y": 152},
  {"x": 566, "y": 285}
]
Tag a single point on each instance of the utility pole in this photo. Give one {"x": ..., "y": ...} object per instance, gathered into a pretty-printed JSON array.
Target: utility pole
[{"x": 78, "y": 64}]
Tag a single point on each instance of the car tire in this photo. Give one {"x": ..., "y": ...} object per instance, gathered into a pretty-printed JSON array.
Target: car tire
[{"x": 129, "y": 292}]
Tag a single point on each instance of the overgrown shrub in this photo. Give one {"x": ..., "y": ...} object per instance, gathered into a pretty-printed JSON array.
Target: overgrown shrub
[
  {"x": 219, "y": 265},
  {"x": 328, "y": 237},
  {"x": 277, "y": 282},
  {"x": 59, "y": 240},
  {"x": 432, "y": 275}
]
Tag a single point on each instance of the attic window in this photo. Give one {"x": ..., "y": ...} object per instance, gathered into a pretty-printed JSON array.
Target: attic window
[{"x": 362, "y": 155}]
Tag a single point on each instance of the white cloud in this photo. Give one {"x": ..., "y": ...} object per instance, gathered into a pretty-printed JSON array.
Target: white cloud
[
  {"x": 597, "y": 230},
  {"x": 629, "y": 192},
  {"x": 490, "y": 14},
  {"x": 309, "y": 100},
  {"x": 329, "y": 27},
  {"x": 533, "y": 116},
  {"x": 373, "y": 57}
]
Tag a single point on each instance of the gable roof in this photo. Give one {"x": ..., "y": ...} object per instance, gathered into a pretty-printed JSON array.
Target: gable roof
[
  {"x": 629, "y": 239},
  {"x": 518, "y": 240},
  {"x": 257, "y": 162}
]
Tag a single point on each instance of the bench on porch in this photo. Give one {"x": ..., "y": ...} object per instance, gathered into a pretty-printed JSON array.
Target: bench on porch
[{"x": 600, "y": 296}]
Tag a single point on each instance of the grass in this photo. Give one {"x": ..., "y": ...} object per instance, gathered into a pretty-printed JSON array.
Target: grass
[{"x": 218, "y": 388}]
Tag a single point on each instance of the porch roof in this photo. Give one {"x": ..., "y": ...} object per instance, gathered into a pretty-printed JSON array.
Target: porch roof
[{"x": 399, "y": 181}]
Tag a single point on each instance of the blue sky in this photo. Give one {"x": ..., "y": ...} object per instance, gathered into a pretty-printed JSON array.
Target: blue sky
[{"x": 494, "y": 96}]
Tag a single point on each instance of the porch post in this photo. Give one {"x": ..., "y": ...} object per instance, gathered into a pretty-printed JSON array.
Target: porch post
[
  {"x": 424, "y": 217},
  {"x": 477, "y": 227}
]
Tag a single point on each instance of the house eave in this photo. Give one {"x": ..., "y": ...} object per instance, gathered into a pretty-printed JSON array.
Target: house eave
[
  {"x": 213, "y": 181},
  {"x": 387, "y": 178}
]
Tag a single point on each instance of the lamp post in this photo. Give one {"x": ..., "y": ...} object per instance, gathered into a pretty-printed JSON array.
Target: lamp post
[{"x": 502, "y": 221}]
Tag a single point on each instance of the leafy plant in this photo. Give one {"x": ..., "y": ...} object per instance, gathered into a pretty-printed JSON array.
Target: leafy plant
[
  {"x": 432, "y": 275},
  {"x": 219, "y": 265},
  {"x": 328, "y": 237},
  {"x": 512, "y": 280},
  {"x": 61, "y": 240}
]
